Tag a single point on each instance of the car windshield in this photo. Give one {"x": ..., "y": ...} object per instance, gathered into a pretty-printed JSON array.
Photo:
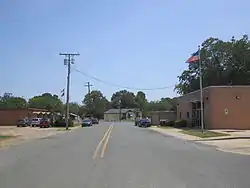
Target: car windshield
[{"x": 86, "y": 120}]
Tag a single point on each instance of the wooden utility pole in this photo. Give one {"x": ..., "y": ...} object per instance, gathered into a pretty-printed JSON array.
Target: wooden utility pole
[
  {"x": 88, "y": 85},
  {"x": 68, "y": 60}
]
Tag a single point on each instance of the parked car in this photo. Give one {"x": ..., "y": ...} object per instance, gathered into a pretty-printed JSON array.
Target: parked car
[
  {"x": 95, "y": 121},
  {"x": 22, "y": 123},
  {"x": 45, "y": 123},
  {"x": 35, "y": 122},
  {"x": 144, "y": 123},
  {"x": 137, "y": 122},
  {"x": 86, "y": 123},
  {"x": 62, "y": 123},
  {"x": 29, "y": 121}
]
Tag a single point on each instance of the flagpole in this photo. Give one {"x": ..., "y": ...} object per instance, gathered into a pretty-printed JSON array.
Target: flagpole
[{"x": 201, "y": 92}]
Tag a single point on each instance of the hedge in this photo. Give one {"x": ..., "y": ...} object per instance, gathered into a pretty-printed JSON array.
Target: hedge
[{"x": 180, "y": 123}]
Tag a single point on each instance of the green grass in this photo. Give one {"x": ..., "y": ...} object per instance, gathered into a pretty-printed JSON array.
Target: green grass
[
  {"x": 3, "y": 137},
  {"x": 166, "y": 127},
  {"x": 77, "y": 125},
  {"x": 205, "y": 134}
]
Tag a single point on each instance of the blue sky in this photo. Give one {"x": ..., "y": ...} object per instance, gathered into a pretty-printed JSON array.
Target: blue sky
[{"x": 136, "y": 43}]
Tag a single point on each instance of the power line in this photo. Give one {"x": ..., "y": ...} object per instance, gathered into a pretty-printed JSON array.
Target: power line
[
  {"x": 68, "y": 60},
  {"x": 121, "y": 86}
]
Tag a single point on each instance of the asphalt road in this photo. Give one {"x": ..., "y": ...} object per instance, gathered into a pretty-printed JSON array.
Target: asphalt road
[{"x": 129, "y": 157}]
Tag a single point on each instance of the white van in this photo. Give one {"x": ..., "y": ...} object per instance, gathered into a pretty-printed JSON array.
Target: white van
[{"x": 35, "y": 122}]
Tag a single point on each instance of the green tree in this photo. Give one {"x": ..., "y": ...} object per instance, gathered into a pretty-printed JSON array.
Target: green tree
[
  {"x": 164, "y": 104},
  {"x": 46, "y": 101},
  {"x": 123, "y": 99},
  {"x": 74, "y": 108},
  {"x": 82, "y": 111},
  {"x": 10, "y": 101},
  {"x": 141, "y": 100},
  {"x": 96, "y": 104},
  {"x": 223, "y": 63}
]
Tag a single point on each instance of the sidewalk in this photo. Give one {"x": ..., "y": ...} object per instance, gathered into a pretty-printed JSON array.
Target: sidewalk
[{"x": 237, "y": 142}]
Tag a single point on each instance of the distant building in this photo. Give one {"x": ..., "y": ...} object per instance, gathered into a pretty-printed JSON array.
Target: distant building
[
  {"x": 225, "y": 107},
  {"x": 121, "y": 114}
]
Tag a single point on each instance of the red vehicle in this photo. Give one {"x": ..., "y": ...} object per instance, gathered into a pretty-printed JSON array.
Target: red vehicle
[{"x": 44, "y": 123}]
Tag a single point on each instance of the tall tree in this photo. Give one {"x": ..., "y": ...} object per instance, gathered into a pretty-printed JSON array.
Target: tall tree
[
  {"x": 10, "y": 101},
  {"x": 141, "y": 102},
  {"x": 95, "y": 103},
  {"x": 74, "y": 108},
  {"x": 82, "y": 111},
  {"x": 46, "y": 101},
  {"x": 161, "y": 105},
  {"x": 123, "y": 99},
  {"x": 223, "y": 63}
]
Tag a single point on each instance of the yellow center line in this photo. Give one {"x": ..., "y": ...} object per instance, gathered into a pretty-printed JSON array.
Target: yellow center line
[
  {"x": 106, "y": 143},
  {"x": 100, "y": 143}
]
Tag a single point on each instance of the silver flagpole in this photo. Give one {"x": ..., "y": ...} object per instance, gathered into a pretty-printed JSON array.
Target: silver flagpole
[{"x": 201, "y": 92}]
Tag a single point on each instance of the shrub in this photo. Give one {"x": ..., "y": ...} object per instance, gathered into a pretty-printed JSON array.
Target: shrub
[
  {"x": 170, "y": 123},
  {"x": 180, "y": 123},
  {"x": 162, "y": 123}
]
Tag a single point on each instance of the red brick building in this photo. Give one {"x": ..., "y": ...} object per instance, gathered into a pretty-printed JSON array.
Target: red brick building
[
  {"x": 10, "y": 116},
  {"x": 225, "y": 107}
]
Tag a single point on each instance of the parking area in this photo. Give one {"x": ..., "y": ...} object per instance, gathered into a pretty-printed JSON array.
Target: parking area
[{"x": 22, "y": 134}]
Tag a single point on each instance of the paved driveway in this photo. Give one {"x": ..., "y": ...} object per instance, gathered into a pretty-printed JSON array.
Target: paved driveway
[{"x": 129, "y": 157}]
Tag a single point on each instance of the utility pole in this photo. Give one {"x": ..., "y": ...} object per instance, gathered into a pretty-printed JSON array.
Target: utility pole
[
  {"x": 68, "y": 60},
  {"x": 90, "y": 107},
  {"x": 88, "y": 85}
]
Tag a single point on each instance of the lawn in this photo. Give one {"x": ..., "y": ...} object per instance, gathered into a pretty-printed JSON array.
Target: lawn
[
  {"x": 205, "y": 134},
  {"x": 3, "y": 137},
  {"x": 166, "y": 127}
]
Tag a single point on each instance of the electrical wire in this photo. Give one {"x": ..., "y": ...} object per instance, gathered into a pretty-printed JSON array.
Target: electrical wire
[{"x": 121, "y": 86}]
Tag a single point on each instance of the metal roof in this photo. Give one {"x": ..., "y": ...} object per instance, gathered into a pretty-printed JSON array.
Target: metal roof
[{"x": 117, "y": 111}]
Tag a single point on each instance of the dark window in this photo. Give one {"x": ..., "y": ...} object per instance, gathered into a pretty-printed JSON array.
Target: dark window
[
  {"x": 187, "y": 114},
  {"x": 198, "y": 105},
  {"x": 180, "y": 114},
  {"x": 193, "y": 105}
]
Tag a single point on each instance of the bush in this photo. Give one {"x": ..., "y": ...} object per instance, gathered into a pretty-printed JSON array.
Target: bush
[
  {"x": 162, "y": 123},
  {"x": 180, "y": 123},
  {"x": 170, "y": 123},
  {"x": 62, "y": 123}
]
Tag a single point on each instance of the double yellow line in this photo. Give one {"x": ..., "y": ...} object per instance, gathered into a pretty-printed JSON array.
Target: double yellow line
[{"x": 103, "y": 143}]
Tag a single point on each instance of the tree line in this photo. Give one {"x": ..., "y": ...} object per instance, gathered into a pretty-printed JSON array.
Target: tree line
[
  {"x": 222, "y": 63},
  {"x": 93, "y": 104}
]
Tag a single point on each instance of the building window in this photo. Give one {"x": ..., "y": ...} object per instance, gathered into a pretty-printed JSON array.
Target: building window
[
  {"x": 187, "y": 114},
  {"x": 180, "y": 114}
]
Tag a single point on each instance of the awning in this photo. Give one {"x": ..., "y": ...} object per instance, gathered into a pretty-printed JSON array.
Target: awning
[{"x": 41, "y": 113}]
